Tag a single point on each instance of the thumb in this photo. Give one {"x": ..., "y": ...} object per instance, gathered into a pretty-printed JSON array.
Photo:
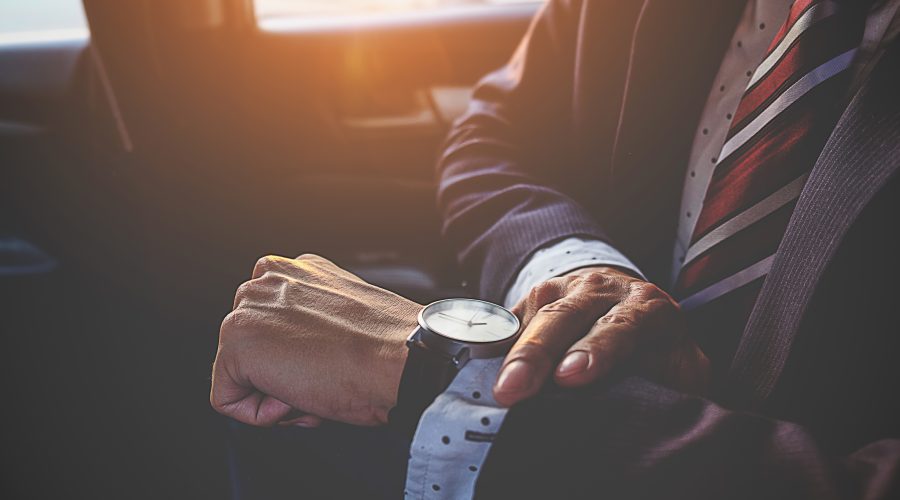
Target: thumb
[
  {"x": 241, "y": 401},
  {"x": 255, "y": 408},
  {"x": 260, "y": 410}
]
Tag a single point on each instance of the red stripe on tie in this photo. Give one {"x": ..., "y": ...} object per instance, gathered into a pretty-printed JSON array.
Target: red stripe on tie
[
  {"x": 796, "y": 62},
  {"x": 760, "y": 171},
  {"x": 736, "y": 253},
  {"x": 797, "y": 10}
]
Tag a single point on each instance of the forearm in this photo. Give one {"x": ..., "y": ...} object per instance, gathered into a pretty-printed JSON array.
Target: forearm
[
  {"x": 638, "y": 440},
  {"x": 499, "y": 195}
]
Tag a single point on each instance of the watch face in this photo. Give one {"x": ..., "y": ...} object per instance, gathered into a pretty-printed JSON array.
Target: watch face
[{"x": 469, "y": 320}]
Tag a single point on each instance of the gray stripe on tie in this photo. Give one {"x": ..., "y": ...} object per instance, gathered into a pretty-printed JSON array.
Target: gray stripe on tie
[
  {"x": 728, "y": 284},
  {"x": 810, "y": 17},
  {"x": 746, "y": 218},
  {"x": 788, "y": 97}
]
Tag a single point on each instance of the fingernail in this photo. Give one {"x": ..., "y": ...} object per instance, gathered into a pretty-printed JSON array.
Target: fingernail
[
  {"x": 574, "y": 363},
  {"x": 515, "y": 378}
]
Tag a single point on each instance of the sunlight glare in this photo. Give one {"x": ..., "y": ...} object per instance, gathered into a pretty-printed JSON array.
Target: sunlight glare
[{"x": 266, "y": 9}]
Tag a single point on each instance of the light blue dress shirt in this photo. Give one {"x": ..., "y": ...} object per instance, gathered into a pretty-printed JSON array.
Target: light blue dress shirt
[{"x": 455, "y": 433}]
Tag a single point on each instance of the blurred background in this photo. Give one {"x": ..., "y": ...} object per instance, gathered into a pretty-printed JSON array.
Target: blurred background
[{"x": 150, "y": 152}]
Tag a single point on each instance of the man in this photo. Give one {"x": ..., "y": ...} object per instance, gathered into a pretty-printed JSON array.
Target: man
[{"x": 617, "y": 131}]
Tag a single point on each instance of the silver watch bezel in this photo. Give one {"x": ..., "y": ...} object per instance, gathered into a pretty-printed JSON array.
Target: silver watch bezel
[{"x": 458, "y": 350}]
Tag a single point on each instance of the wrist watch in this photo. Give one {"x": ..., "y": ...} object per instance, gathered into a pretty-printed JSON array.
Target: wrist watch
[{"x": 449, "y": 334}]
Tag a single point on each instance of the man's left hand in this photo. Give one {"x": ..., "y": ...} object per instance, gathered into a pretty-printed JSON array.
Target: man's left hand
[{"x": 580, "y": 327}]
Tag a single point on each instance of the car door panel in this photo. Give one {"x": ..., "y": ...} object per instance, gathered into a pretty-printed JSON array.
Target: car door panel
[{"x": 226, "y": 106}]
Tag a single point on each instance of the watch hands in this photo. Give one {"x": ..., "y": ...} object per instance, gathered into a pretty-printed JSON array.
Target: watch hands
[
  {"x": 467, "y": 323},
  {"x": 453, "y": 318},
  {"x": 473, "y": 319}
]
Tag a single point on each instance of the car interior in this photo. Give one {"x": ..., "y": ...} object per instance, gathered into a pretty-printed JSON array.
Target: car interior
[{"x": 148, "y": 164}]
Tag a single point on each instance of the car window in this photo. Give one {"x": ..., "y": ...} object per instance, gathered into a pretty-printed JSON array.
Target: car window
[
  {"x": 268, "y": 10},
  {"x": 41, "y": 20}
]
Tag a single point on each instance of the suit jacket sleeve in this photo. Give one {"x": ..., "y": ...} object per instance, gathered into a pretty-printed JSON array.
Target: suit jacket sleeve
[
  {"x": 639, "y": 440},
  {"x": 500, "y": 170}
]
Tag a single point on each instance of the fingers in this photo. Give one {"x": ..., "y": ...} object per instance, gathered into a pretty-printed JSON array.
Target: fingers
[
  {"x": 541, "y": 295},
  {"x": 247, "y": 405},
  {"x": 551, "y": 330},
  {"x": 563, "y": 334},
  {"x": 616, "y": 336},
  {"x": 301, "y": 419},
  {"x": 611, "y": 340},
  {"x": 233, "y": 395},
  {"x": 270, "y": 264},
  {"x": 554, "y": 315},
  {"x": 247, "y": 291}
]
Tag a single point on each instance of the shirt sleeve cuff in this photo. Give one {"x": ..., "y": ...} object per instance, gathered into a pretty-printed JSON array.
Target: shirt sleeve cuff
[{"x": 562, "y": 258}]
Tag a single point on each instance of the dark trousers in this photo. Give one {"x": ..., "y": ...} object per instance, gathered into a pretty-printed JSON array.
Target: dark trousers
[{"x": 334, "y": 461}]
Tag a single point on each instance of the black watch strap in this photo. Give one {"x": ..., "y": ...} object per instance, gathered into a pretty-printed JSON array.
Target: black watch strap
[{"x": 427, "y": 373}]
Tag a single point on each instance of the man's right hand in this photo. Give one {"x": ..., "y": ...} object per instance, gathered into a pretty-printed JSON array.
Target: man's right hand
[
  {"x": 308, "y": 341},
  {"x": 579, "y": 327}
]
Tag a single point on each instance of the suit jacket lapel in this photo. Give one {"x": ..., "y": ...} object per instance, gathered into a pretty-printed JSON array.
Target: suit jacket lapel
[
  {"x": 859, "y": 158},
  {"x": 676, "y": 50}
]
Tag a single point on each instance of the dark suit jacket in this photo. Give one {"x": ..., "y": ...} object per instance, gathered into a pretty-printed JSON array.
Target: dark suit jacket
[{"x": 587, "y": 132}]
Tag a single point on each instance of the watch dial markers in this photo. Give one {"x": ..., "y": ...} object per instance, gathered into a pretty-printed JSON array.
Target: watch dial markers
[{"x": 470, "y": 320}]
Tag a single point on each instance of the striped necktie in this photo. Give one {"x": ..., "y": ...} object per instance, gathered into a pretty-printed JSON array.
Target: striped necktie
[{"x": 778, "y": 131}]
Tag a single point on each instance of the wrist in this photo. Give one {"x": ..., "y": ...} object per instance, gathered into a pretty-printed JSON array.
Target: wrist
[{"x": 392, "y": 355}]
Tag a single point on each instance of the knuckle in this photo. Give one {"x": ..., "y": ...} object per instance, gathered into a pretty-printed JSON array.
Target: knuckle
[
  {"x": 270, "y": 281},
  {"x": 660, "y": 306},
  {"x": 620, "y": 319},
  {"x": 264, "y": 264},
  {"x": 560, "y": 307},
  {"x": 648, "y": 293},
  {"x": 663, "y": 313},
  {"x": 243, "y": 291},
  {"x": 560, "y": 282},
  {"x": 601, "y": 287},
  {"x": 267, "y": 278},
  {"x": 234, "y": 323},
  {"x": 570, "y": 280},
  {"x": 315, "y": 259},
  {"x": 541, "y": 293},
  {"x": 267, "y": 261},
  {"x": 642, "y": 290},
  {"x": 595, "y": 279}
]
